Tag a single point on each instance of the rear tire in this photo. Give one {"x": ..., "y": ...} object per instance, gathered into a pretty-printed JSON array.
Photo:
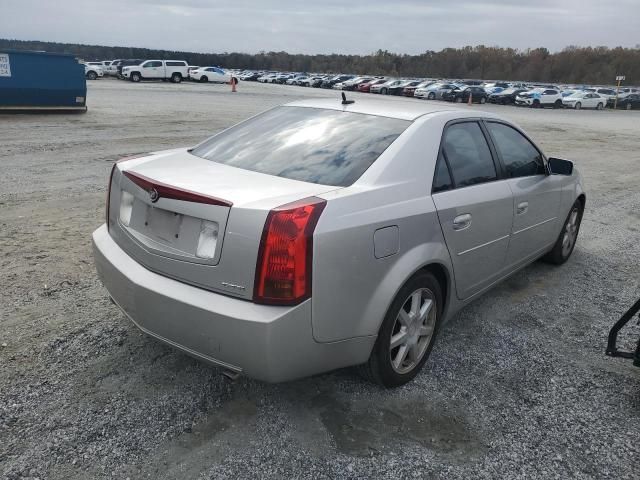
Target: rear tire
[
  {"x": 483, "y": 100},
  {"x": 599, "y": 106},
  {"x": 557, "y": 104},
  {"x": 566, "y": 241},
  {"x": 412, "y": 323},
  {"x": 629, "y": 106},
  {"x": 176, "y": 78}
]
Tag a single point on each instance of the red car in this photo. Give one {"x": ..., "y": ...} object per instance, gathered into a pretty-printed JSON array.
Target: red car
[{"x": 364, "y": 87}]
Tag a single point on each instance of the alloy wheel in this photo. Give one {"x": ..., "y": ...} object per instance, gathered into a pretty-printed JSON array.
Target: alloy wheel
[
  {"x": 412, "y": 331},
  {"x": 570, "y": 232}
]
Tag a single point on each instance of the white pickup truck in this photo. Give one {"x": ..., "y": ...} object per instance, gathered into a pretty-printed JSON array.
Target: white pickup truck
[{"x": 174, "y": 70}]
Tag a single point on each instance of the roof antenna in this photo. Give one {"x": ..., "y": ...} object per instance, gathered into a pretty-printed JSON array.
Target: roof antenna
[{"x": 345, "y": 101}]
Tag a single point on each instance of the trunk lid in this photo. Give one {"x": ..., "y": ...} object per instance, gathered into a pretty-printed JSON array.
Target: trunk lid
[{"x": 174, "y": 212}]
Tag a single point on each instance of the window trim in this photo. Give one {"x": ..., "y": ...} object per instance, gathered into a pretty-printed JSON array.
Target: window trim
[
  {"x": 500, "y": 174},
  {"x": 486, "y": 121}
]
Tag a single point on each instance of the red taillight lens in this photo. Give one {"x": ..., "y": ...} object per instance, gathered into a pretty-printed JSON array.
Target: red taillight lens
[{"x": 283, "y": 269}]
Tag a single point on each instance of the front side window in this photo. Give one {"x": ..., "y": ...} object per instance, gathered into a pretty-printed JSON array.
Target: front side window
[
  {"x": 520, "y": 157},
  {"x": 468, "y": 154},
  {"x": 328, "y": 147}
]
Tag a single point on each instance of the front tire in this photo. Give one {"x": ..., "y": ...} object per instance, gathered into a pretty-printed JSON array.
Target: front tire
[
  {"x": 135, "y": 77},
  {"x": 431, "y": 96},
  {"x": 204, "y": 79},
  {"x": 383, "y": 91},
  {"x": 578, "y": 106},
  {"x": 568, "y": 235},
  {"x": 92, "y": 75},
  {"x": 407, "y": 333},
  {"x": 599, "y": 106},
  {"x": 483, "y": 100}
]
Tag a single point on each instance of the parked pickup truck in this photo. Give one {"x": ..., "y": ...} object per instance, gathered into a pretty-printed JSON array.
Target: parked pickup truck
[{"x": 174, "y": 70}]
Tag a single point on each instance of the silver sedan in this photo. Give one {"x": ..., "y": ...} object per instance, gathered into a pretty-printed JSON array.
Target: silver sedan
[{"x": 320, "y": 235}]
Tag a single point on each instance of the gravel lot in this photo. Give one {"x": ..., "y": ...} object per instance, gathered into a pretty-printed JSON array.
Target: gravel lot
[{"x": 517, "y": 386}]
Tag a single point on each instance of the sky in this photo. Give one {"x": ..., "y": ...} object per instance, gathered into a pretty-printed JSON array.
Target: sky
[{"x": 324, "y": 26}]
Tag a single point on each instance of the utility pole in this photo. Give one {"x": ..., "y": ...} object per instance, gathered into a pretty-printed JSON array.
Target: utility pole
[{"x": 619, "y": 79}]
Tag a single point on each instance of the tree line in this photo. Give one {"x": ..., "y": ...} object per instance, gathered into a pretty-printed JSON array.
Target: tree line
[{"x": 579, "y": 65}]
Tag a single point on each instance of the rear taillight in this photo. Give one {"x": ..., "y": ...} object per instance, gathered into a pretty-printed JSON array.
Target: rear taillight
[
  {"x": 113, "y": 169},
  {"x": 283, "y": 269}
]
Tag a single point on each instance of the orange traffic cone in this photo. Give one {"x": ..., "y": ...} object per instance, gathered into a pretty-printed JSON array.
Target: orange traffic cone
[
  {"x": 233, "y": 84},
  {"x": 470, "y": 102}
]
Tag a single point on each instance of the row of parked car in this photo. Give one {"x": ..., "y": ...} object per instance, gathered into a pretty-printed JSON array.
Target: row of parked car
[
  {"x": 460, "y": 91},
  {"x": 476, "y": 91},
  {"x": 138, "y": 70}
]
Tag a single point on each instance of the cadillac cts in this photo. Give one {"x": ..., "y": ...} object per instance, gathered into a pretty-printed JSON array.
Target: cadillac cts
[{"x": 319, "y": 235}]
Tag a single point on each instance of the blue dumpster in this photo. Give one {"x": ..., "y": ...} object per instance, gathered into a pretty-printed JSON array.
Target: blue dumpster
[{"x": 41, "y": 81}]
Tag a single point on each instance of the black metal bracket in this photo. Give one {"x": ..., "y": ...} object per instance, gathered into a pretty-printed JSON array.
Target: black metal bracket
[{"x": 612, "y": 349}]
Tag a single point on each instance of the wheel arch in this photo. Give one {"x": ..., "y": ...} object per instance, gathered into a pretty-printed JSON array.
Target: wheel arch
[{"x": 412, "y": 263}]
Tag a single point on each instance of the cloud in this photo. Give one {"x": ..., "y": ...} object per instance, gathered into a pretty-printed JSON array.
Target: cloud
[{"x": 328, "y": 26}]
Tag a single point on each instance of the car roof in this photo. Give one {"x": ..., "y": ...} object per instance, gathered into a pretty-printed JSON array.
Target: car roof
[{"x": 391, "y": 108}]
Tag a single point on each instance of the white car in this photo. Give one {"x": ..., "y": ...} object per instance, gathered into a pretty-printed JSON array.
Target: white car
[
  {"x": 92, "y": 70},
  {"x": 269, "y": 78},
  {"x": 606, "y": 93},
  {"x": 296, "y": 80},
  {"x": 539, "y": 98},
  {"x": 580, "y": 100},
  {"x": 210, "y": 74},
  {"x": 112, "y": 68},
  {"x": 174, "y": 70}
]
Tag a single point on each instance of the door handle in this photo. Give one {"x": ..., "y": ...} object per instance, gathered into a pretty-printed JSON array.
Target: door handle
[
  {"x": 522, "y": 208},
  {"x": 462, "y": 221}
]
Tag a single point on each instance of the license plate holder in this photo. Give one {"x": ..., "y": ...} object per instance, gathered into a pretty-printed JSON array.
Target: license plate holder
[{"x": 163, "y": 224}]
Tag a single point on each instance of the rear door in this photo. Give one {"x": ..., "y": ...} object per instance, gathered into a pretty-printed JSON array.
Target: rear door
[
  {"x": 475, "y": 207},
  {"x": 536, "y": 195}
]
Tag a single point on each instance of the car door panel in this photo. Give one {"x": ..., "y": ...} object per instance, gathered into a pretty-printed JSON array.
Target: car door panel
[
  {"x": 534, "y": 228},
  {"x": 475, "y": 207},
  {"x": 536, "y": 195},
  {"x": 478, "y": 250}
]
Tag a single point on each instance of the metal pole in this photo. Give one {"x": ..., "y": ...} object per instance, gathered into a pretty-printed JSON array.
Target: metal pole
[{"x": 615, "y": 103}]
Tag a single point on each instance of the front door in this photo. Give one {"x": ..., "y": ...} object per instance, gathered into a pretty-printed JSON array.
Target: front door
[
  {"x": 536, "y": 195},
  {"x": 153, "y": 69},
  {"x": 475, "y": 207}
]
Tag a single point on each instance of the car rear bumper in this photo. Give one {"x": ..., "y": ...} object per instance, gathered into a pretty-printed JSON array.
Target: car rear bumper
[{"x": 269, "y": 343}]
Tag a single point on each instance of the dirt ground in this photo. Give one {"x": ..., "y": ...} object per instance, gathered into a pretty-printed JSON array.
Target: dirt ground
[{"x": 518, "y": 385}]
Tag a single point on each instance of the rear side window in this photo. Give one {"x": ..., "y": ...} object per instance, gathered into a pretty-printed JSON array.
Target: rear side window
[
  {"x": 441, "y": 178},
  {"x": 176, "y": 64},
  {"x": 520, "y": 157},
  {"x": 328, "y": 147},
  {"x": 468, "y": 154}
]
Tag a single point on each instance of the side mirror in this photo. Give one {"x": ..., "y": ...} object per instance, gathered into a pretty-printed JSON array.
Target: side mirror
[{"x": 558, "y": 166}]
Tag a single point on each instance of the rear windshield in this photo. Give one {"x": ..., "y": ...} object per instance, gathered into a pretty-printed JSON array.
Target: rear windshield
[{"x": 329, "y": 147}]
